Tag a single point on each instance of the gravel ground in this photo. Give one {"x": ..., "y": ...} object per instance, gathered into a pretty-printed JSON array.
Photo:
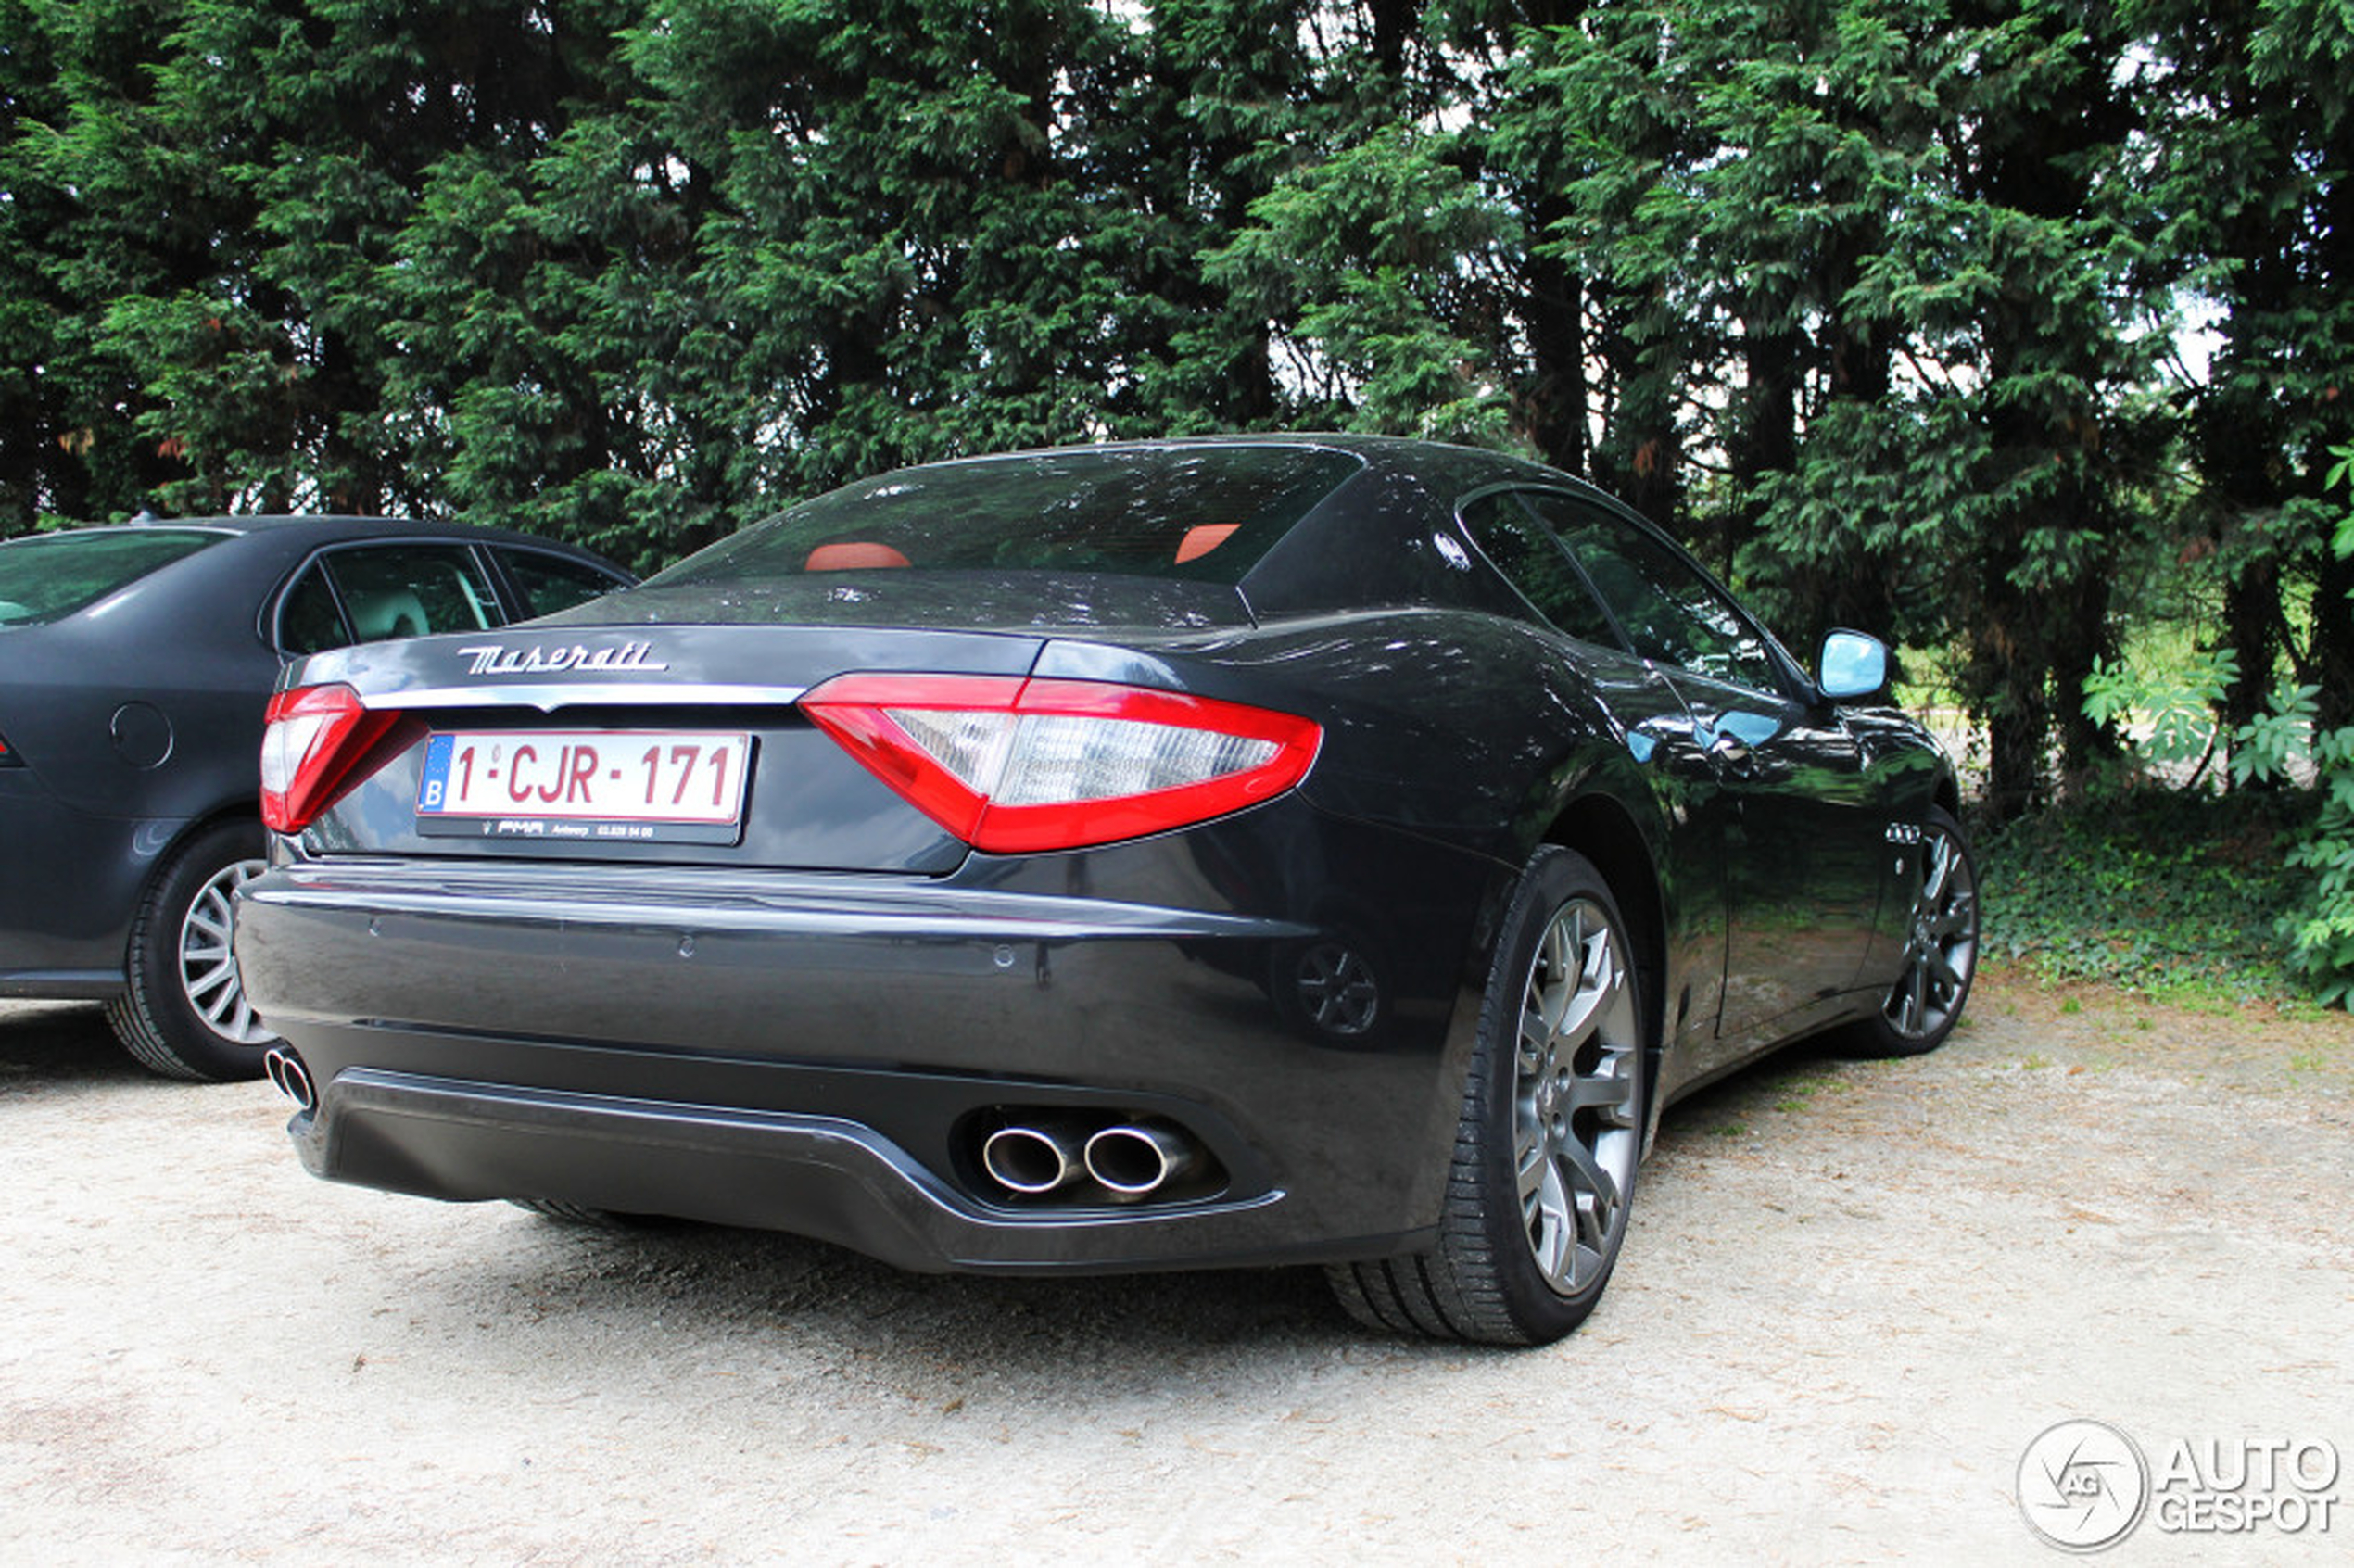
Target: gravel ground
[{"x": 1853, "y": 1294}]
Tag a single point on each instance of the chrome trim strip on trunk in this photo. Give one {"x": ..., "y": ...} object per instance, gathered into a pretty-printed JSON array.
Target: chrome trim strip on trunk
[{"x": 547, "y": 698}]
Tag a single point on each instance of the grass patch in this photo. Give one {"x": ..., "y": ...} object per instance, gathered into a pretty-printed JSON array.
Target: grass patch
[{"x": 2177, "y": 896}]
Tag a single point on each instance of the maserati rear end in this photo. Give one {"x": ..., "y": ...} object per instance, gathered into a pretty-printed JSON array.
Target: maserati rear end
[{"x": 984, "y": 916}]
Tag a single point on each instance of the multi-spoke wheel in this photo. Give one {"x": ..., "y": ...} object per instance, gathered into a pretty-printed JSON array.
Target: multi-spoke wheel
[
  {"x": 185, "y": 1013},
  {"x": 1551, "y": 1129},
  {"x": 1573, "y": 1093},
  {"x": 207, "y": 973},
  {"x": 1941, "y": 949}
]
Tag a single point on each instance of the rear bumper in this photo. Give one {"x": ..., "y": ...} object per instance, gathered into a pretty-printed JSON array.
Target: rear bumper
[
  {"x": 834, "y": 1179},
  {"x": 821, "y": 1055}
]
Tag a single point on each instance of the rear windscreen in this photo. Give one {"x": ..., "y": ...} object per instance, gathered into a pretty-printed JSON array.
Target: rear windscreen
[
  {"x": 1202, "y": 513},
  {"x": 53, "y": 575}
]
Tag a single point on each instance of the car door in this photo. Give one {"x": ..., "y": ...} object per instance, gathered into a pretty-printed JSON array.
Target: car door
[
  {"x": 1803, "y": 844},
  {"x": 1660, "y": 735}
]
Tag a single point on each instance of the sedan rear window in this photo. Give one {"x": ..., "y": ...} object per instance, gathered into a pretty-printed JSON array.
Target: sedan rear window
[
  {"x": 53, "y": 575},
  {"x": 1202, "y": 513}
]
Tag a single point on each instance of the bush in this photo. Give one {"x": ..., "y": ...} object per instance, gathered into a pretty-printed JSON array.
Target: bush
[{"x": 2157, "y": 890}]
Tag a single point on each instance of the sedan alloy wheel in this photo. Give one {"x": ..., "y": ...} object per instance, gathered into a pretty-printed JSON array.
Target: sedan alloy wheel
[{"x": 208, "y": 974}]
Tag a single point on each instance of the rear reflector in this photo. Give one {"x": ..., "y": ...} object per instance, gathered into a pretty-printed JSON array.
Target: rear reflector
[
  {"x": 1012, "y": 765},
  {"x": 316, "y": 736}
]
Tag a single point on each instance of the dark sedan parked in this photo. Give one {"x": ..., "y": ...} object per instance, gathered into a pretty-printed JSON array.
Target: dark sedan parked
[
  {"x": 1259, "y": 849},
  {"x": 135, "y": 662}
]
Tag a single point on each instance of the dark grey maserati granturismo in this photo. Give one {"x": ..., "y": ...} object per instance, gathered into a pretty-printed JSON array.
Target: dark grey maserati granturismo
[{"x": 1188, "y": 854}]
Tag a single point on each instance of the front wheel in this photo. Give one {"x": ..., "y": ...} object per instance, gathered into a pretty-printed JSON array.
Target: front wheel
[
  {"x": 1550, "y": 1128},
  {"x": 1940, "y": 951},
  {"x": 184, "y": 1012}
]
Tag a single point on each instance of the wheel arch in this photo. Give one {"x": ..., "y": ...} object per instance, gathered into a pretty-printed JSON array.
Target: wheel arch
[
  {"x": 241, "y": 811},
  {"x": 1598, "y": 826}
]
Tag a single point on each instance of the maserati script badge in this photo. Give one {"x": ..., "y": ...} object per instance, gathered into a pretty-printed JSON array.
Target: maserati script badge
[{"x": 538, "y": 659}]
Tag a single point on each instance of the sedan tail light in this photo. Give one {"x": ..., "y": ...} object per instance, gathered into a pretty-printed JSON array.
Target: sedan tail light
[
  {"x": 1012, "y": 765},
  {"x": 7, "y": 757},
  {"x": 316, "y": 738}
]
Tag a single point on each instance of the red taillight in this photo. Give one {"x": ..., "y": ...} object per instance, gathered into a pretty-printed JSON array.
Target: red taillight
[
  {"x": 7, "y": 757},
  {"x": 316, "y": 736},
  {"x": 1013, "y": 765}
]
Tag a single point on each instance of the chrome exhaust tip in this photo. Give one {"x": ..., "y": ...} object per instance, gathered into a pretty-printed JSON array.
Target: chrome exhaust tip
[
  {"x": 1137, "y": 1158},
  {"x": 1028, "y": 1159},
  {"x": 292, "y": 1079}
]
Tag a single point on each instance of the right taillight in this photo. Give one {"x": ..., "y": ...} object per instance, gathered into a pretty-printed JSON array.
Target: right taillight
[
  {"x": 1014, "y": 766},
  {"x": 316, "y": 736}
]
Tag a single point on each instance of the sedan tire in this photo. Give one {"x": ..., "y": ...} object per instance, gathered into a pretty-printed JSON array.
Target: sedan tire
[
  {"x": 185, "y": 1013},
  {"x": 1550, "y": 1132}
]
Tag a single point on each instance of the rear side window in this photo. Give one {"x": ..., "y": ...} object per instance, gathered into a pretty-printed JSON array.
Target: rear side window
[
  {"x": 54, "y": 574},
  {"x": 1670, "y": 610},
  {"x": 309, "y": 621},
  {"x": 387, "y": 591},
  {"x": 1201, "y": 513},
  {"x": 1528, "y": 555},
  {"x": 550, "y": 583}
]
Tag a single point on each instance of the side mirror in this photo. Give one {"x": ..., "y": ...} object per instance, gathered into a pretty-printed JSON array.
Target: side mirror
[{"x": 1853, "y": 666}]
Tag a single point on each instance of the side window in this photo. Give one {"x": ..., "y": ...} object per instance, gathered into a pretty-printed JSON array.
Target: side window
[
  {"x": 413, "y": 589},
  {"x": 1532, "y": 560},
  {"x": 1670, "y": 610},
  {"x": 308, "y": 621},
  {"x": 550, "y": 583}
]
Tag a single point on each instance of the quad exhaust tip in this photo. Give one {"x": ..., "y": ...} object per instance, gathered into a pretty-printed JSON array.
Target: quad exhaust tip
[
  {"x": 1136, "y": 1159},
  {"x": 1121, "y": 1160},
  {"x": 1032, "y": 1159},
  {"x": 292, "y": 1079}
]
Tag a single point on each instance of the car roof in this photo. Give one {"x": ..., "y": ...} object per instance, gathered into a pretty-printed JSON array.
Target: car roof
[
  {"x": 321, "y": 529},
  {"x": 1391, "y": 452}
]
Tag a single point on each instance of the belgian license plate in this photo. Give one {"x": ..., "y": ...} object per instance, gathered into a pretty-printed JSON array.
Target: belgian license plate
[{"x": 616, "y": 785}]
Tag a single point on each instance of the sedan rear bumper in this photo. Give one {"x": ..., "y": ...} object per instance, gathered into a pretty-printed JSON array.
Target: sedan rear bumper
[{"x": 825, "y": 1056}]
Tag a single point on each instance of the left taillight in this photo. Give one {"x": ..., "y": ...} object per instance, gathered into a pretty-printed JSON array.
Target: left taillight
[
  {"x": 315, "y": 737},
  {"x": 1012, "y": 765},
  {"x": 8, "y": 758}
]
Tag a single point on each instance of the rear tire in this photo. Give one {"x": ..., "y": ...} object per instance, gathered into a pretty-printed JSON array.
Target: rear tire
[
  {"x": 1548, "y": 1137},
  {"x": 183, "y": 1012}
]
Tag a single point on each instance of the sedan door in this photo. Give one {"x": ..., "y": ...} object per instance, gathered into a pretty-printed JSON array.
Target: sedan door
[{"x": 1805, "y": 847}]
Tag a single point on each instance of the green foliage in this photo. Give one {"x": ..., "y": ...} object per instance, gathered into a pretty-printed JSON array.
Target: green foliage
[
  {"x": 2169, "y": 714},
  {"x": 2341, "y": 476},
  {"x": 1872, "y": 304},
  {"x": 2150, "y": 889},
  {"x": 2319, "y": 924},
  {"x": 2320, "y": 930}
]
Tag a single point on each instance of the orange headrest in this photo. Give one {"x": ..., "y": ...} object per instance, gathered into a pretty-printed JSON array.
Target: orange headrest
[
  {"x": 852, "y": 555},
  {"x": 1201, "y": 541}
]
